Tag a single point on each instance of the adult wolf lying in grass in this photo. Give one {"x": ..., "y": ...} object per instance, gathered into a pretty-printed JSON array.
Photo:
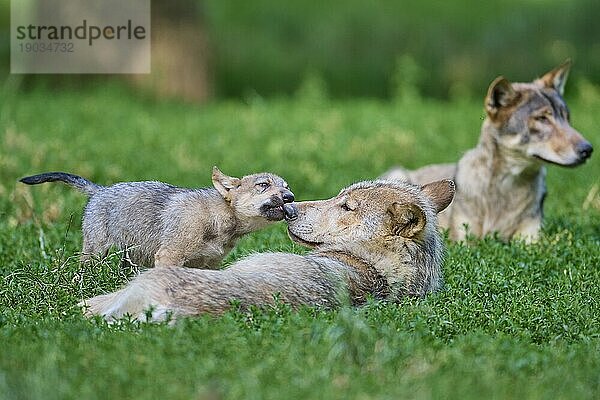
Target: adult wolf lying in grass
[
  {"x": 163, "y": 225},
  {"x": 376, "y": 239},
  {"x": 500, "y": 184}
]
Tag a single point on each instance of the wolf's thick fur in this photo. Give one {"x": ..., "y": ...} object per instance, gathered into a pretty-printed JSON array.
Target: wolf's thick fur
[
  {"x": 164, "y": 225},
  {"x": 376, "y": 239},
  {"x": 500, "y": 184}
]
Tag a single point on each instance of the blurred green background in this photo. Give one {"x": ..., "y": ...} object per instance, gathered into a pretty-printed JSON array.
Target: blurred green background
[{"x": 360, "y": 48}]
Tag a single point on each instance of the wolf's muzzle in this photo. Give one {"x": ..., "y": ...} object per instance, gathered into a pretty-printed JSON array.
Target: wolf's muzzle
[
  {"x": 584, "y": 150},
  {"x": 287, "y": 196},
  {"x": 290, "y": 211}
]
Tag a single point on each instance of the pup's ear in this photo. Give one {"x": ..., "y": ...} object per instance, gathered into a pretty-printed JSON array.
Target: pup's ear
[
  {"x": 441, "y": 193},
  {"x": 500, "y": 94},
  {"x": 557, "y": 78},
  {"x": 407, "y": 220},
  {"x": 224, "y": 183}
]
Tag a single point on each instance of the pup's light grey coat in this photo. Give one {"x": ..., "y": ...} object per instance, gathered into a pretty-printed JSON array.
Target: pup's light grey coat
[
  {"x": 164, "y": 225},
  {"x": 376, "y": 239},
  {"x": 500, "y": 184}
]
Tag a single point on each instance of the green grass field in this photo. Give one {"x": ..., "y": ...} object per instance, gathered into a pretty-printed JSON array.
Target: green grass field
[{"x": 513, "y": 321}]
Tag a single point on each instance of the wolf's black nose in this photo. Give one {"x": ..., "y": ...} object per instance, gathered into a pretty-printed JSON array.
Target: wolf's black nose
[
  {"x": 288, "y": 196},
  {"x": 290, "y": 211},
  {"x": 584, "y": 149}
]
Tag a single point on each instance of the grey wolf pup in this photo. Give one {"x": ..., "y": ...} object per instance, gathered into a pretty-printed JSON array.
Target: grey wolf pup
[
  {"x": 375, "y": 239},
  {"x": 163, "y": 225},
  {"x": 500, "y": 184}
]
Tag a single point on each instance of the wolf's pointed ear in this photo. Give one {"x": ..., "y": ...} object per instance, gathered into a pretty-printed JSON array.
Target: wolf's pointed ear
[
  {"x": 440, "y": 193},
  {"x": 407, "y": 219},
  {"x": 557, "y": 78},
  {"x": 500, "y": 94},
  {"x": 224, "y": 183}
]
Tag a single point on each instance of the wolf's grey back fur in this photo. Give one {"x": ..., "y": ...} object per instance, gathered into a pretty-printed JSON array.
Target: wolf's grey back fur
[
  {"x": 109, "y": 207},
  {"x": 76, "y": 181},
  {"x": 422, "y": 175},
  {"x": 294, "y": 279},
  {"x": 134, "y": 201}
]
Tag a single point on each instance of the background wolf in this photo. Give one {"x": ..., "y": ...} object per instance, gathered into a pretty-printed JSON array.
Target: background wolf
[
  {"x": 500, "y": 184},
  {"x": 376, "y": 239},
  {"x": 160, "y": 224}
]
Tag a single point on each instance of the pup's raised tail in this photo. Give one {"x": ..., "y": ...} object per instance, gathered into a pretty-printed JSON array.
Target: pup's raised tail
[{"x": 77, "y": 182}]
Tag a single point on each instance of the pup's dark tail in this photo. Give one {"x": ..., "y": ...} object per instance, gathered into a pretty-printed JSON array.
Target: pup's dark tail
[{"x": 77, "y": 182}]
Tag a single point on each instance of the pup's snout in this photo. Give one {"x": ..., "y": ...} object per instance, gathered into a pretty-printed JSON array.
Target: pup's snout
[
  {"x": 288, "y": 197},
  {"x": 584, "y": 150},
  {"x": 290, "y": 211}
]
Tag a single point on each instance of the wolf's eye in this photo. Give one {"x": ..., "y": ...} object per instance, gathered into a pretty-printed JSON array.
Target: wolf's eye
[
  {"x": 542, "y": 118},
  {"x": 348, "y": 206},
  {"x": 262, "y": 186}
]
